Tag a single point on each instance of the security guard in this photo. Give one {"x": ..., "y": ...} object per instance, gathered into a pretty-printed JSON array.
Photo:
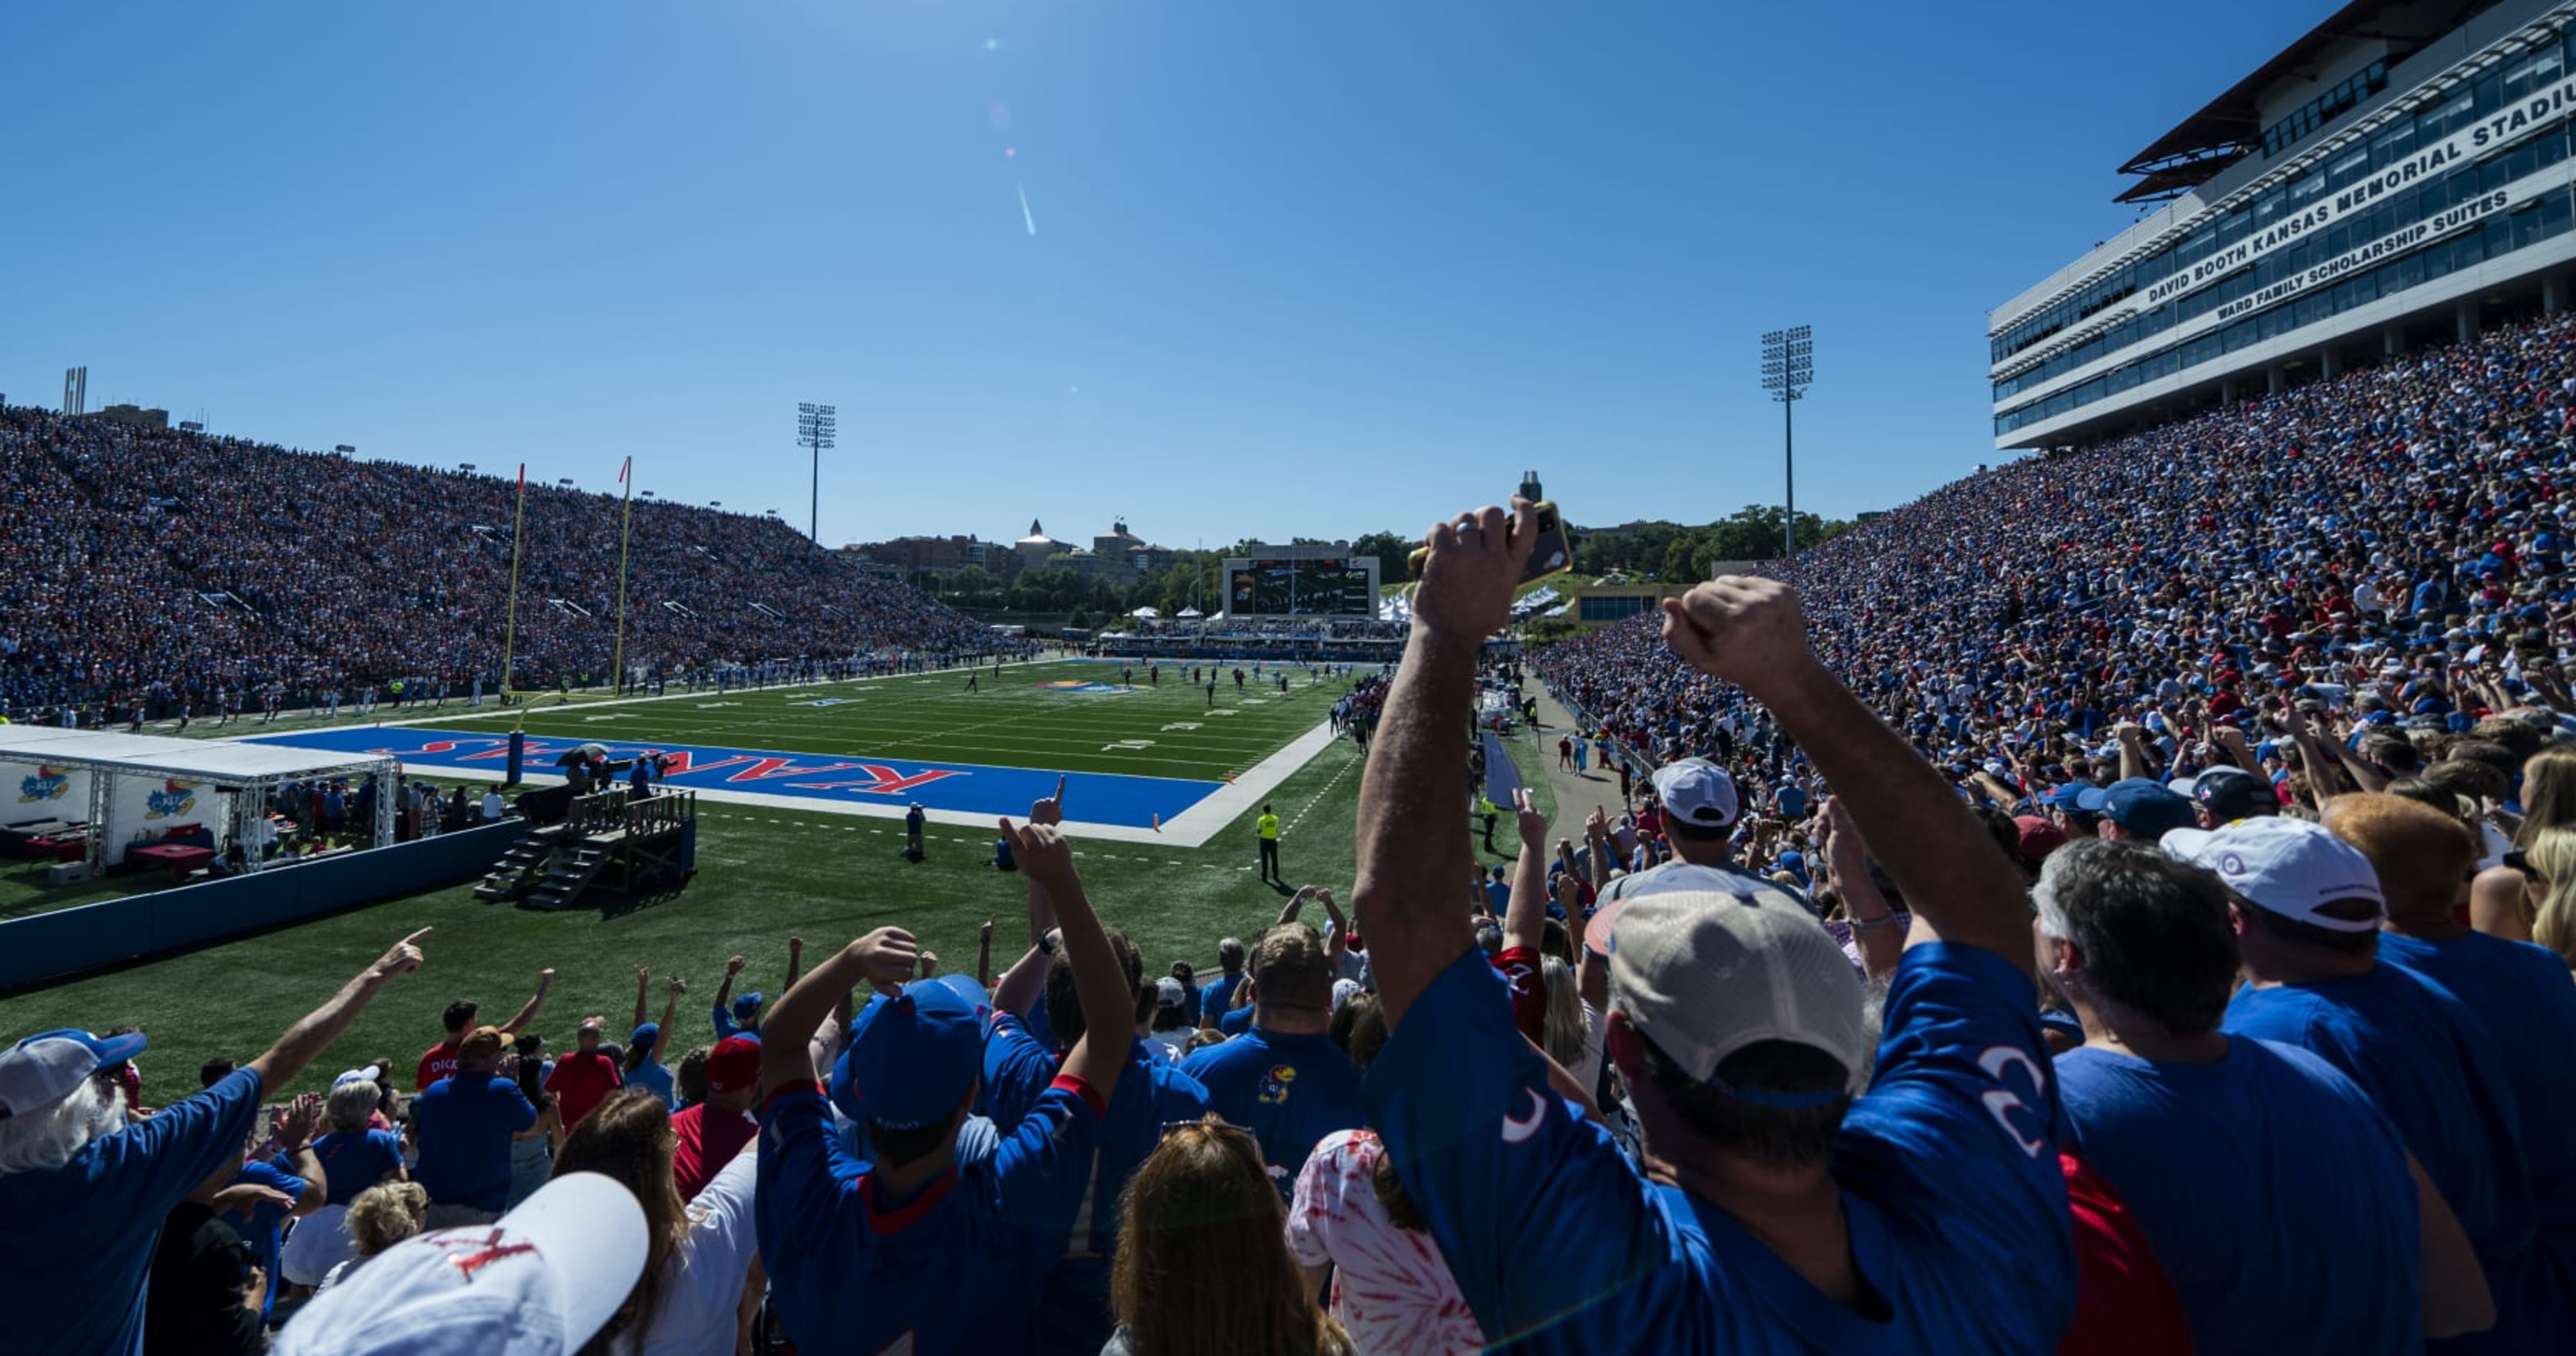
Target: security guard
[{"x": 1268, "y": 825}]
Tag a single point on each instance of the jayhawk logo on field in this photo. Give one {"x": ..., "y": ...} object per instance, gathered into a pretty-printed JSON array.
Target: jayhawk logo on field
[
  {"x": 1276, "y": 1083},
  {"x": 171, "y": 801},
  {"x": 49, "y": 783}
]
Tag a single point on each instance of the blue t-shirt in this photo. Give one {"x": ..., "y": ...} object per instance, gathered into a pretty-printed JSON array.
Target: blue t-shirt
[
  {"x": 260, "y": 1232},
  {"x": 727, "y": 1028},
  {"x": 1234, "y": 1023},
  {"x": 2521, "y": 995},
  {"x": 2426, "y": 1060},
  {"x": 1950, "y": 1181},
  {"x": 959, "y": 1267},
  {"x": 654, "y": 1074},
  {"x": 463, "y": 1125},
  {"x": 1289, "y": 1091},
  {"x": 76, "y": 1242},
  {"x": 2271, "y": 1186},
  {"x": 351, "y": 1163},
  {"x": 1151, "y": 1094}
]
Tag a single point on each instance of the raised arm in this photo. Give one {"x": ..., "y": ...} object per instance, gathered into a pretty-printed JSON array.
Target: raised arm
[
  {"x": 1408, "y": 862},
  {"x": 1108, "y": 1005},
  {"x": 1340, "y": 940},
  {"x": 1525, "y": 919},
  {"x": 670, "y": 1009},
  {"x": 724, "y": 991},
  {"x": 1049, "y": 811},
  {"x": 984, "y": 956},
  {"x": 307, "y": 1039},
  {"x": 882, "y": 960},
  {"x": 1959, "y": 885},
  {"x": 643, "y": 978},
  {"x": 527, "y": 1014},
  {"x": 795, "y": 962},
  {"x": 1296, "y": 904}
]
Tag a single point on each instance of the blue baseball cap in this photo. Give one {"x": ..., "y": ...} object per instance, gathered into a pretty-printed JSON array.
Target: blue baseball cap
[
  {"x": 645, "y": 1037},
  {"x": 745, "y": 1005},
  {"x": 47, "y": 1067},
  {"x": 2067, "y": 797},
  {"x": 2142, "y": 807},
  {"x": 912, "y": 1059}
]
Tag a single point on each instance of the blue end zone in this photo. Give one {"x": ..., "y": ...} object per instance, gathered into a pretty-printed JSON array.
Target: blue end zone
[{"x": 967, "y": 788}]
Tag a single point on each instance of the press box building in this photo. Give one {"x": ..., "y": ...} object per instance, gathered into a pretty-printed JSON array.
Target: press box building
[{"x": 2400, "y": 175}]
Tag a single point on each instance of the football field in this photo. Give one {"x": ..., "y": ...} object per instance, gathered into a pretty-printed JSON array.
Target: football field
[
  {"x": 777, "y": 860},
  {"x": 1166, "y": 761}
]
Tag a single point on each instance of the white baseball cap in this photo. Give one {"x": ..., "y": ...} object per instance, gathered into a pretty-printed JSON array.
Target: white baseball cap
[
  {"x": 47, "y": 1067},
  {"x": 540, "y": 1281},
  {"x": 2287, "y": 866},
  {"x": 1705, "y": 973},
  {"x": 1698, "y": 793},
  {"x": 373, "y": 1073}
]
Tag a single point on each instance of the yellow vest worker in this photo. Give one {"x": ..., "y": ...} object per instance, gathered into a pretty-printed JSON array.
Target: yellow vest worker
[{"x": 1268, "y": 826}]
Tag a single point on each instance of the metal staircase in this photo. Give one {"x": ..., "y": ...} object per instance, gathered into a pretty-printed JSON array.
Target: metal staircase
[{"x": 511, "y": 874}]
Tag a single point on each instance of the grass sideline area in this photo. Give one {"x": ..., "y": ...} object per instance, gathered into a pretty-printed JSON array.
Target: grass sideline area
[{"x": 764, "y": 875}]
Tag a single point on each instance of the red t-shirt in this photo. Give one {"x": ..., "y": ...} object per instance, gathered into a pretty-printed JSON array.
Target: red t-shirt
[
  {"x": 1527, "y": 976},
  {"x": 2124, "y": 1302},
  {"x": 582, "y": 1081},
  {"x": 438, "y": 1063},
  {"x": 709, "y": 1138}
]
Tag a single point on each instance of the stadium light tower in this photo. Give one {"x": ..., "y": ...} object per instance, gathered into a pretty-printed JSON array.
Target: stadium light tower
[
  {"x": 815, "y": 425},
  {"x": 1788, "y": 368}
]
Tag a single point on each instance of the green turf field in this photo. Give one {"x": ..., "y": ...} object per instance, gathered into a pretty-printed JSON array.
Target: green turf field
[
  {"x": 766, "y": 874},
  {"x": 1171, "y": 730}
]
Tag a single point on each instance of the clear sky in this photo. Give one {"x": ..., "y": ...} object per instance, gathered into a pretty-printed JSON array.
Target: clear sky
[{"x": 1285, "y": 266}]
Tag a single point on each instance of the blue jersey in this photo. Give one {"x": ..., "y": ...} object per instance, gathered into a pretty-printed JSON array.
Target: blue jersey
[
  {"x": 1217, "y": 996},
  {"x": 1289, "y": 1091},
  {"x": 355, "y": 1161},
  {"x": 655, "y": 1074},
  {"x": 2420, "y": 1054},
  {"x": 1234, "y": 1023},
  {"x": 2521, "y": 996},
  {"x": 463, "y": 1125},
  {"x": 2273, "y": 1189},
  {"x": 959, "y": 1267},
  {"x": 1151, "y": 1094},
  {"x": 261, "y": 1230},
  {"x": 76, "y": 1242},
  {"x": 727, "y": 1028},
  {"x": 1948, "y": 1168}
]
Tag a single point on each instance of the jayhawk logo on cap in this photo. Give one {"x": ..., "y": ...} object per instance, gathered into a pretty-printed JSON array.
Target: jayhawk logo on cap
[
  {"x": 1276, "y": 1083},
  {"x": 49, "y": 783}
]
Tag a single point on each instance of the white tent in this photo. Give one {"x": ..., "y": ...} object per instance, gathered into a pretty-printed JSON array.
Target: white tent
[
  {"x": 135, "y": 788},
  {"x": 1190, "y": 614},
  {"x": 1146, "y": 614}
]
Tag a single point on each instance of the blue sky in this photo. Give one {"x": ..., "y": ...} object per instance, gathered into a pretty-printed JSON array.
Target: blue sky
[{"x": 1318, "y": 267}]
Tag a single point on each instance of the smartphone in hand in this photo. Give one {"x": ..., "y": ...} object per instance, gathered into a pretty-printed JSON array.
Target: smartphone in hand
[{"x": 1553, "y": 553}]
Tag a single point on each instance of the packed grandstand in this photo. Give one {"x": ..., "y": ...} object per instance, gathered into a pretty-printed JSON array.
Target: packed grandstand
[{"x": 156, "y": 567}]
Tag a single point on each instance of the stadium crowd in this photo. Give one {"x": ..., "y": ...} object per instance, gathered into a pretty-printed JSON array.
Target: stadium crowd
[
  {"x": 174, "y": 571},
  {"x": 2091, "y": 910}
]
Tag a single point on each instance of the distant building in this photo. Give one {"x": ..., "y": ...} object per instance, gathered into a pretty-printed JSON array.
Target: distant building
[
  {"x": 1034, "y": 548},
  {"x": 1121, "y": 544},
  {"x": 133, "y": 415},
  {"x": 935, "y": 555},
  {"x": 1602, "y": 605}
]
